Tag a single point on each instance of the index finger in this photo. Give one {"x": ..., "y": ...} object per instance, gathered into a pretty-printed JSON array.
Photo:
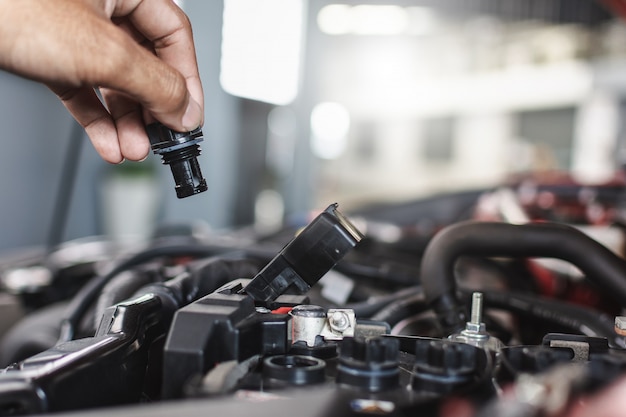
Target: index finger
[{"x": 164, "y": 24}]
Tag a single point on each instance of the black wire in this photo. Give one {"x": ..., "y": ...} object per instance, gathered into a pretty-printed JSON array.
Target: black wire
[
  {"x": 88, "y": 294},
  {"x": 397, "y": 311},
  {"x": 367, "y": 309},
  {"x": 381, "y": 273},
  {"x": 486, "y": 239},
  {"x": 579, "y": 319}
]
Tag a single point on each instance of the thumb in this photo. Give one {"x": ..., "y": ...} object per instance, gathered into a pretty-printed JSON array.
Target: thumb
[{"x": 160, "y": 89}]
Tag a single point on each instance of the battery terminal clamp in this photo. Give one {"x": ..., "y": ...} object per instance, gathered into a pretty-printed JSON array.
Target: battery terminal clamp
[
  {"x": 305, "y": 260},
  {"x": 179, "y": 150}
]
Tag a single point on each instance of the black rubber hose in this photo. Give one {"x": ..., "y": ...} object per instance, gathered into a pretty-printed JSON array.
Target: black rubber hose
[
  {"x": 210, "y": 274},
  {"x": 402, "y": 308},
  {"x": 33, "y": 334},
  {"x": 547, "y": 240},
  {"x": 201, "y": 278},
  {"x": 87, "y": 295},
  {"x": 118, "y": 289},
  {"x": 373, "y": 305},
  {"x": 578, "y": 319}
]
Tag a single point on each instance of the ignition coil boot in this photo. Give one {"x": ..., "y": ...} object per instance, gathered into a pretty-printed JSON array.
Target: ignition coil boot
[
  {"x": 179, "y": 150},
  {"x": 306, "y": 258}
]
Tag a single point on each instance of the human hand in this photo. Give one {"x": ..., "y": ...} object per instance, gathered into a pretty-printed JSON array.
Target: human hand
[{"x": 138, "y": 53}]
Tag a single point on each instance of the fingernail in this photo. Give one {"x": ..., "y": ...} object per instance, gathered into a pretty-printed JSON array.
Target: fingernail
[{"x": 193, "y": 116}]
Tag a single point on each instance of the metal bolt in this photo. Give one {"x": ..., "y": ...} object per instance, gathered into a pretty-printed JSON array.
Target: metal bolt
[
  {"x": 339, "y": 321},
  {"x": 475, "y": 328},
  {"x": 620, "y": 325},
  {"x": 477, "y": 308}
]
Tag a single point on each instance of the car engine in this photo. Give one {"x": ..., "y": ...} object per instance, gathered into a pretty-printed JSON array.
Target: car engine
[{"x": 485, "y": 303}]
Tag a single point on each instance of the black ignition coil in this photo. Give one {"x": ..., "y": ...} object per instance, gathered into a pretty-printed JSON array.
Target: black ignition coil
[{"x": 179, "y": 150}]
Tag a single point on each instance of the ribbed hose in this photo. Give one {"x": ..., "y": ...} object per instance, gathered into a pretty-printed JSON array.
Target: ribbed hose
[{"x": 545, "y": 240}]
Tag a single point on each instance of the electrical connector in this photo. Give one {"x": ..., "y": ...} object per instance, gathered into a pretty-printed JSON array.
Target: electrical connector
[
  {"x": 307, "y": 257},
  {"x": 179, "y": 150}
]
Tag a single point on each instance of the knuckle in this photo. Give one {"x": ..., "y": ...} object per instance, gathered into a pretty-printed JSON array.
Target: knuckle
[
  {"x": 103, "y": 140},
  {"x": 66, "y": 94},
  {"x": 174, "y": 91},
  {"x": 135, "y": 150}
]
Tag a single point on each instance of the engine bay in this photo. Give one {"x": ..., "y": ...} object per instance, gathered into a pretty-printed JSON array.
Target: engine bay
[{"x": 452, "y": 305}]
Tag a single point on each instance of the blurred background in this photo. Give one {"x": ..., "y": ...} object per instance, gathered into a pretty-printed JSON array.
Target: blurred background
[{"x": 310, "y": 102}]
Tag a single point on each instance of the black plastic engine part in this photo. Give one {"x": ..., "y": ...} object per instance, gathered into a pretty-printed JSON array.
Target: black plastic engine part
[
  {"x": 295, "y": 369},
  {"x": 225, "y": 325},
  {"x": 79, "y": 374},
  {"x": 371, "y": 365},
  {"x": 501, "y": 239},
  {"x": 532, "y": 359},
  {"x": 220, "y": 327},
  {"x": 119, "y": 357},
  {"x": 179, "y": 150},
  {"x": 442, "y": 367},
  {"x": 84, "y": 299},
  {"x": 529, "y": 359},
  {"x": 603, "y": 364},
  {"x": 306, "y": 258}
]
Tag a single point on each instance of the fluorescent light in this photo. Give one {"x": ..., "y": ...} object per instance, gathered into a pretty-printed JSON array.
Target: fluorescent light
[
  {"x": 367, "y": 19},
  {"x": 334, "y": 19},
  {"x": 261, "y": 43},
  {"x": 330, "y": 123},
  {"x": 378, "y": 20}
]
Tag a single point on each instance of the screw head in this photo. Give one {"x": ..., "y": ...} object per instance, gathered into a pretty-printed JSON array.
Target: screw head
[
  {"x": 339, "y": 321},
  {"x": 620, "y": 325}
]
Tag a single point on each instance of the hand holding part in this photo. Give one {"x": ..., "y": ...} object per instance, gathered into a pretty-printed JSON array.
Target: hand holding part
[{"x": 139, "y": 54}]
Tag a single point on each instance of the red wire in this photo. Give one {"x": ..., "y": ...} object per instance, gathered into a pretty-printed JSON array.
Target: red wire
[
  {"x": 282, "y": 310},
  {"x": 617, "y": 6}
]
